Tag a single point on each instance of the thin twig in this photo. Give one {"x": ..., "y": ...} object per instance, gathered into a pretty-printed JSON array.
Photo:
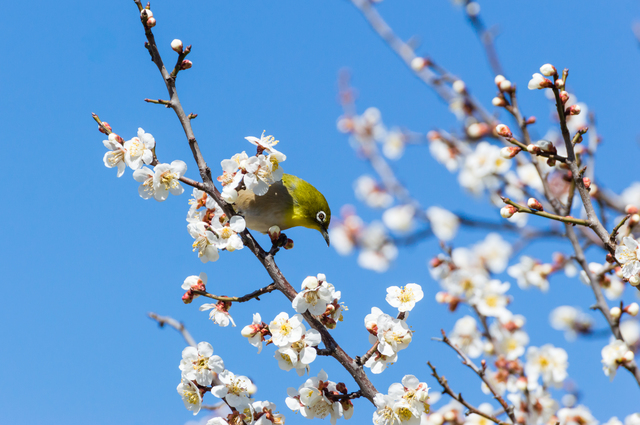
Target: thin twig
[
  {"x": 255, "y": 294},
  {"x": 179, "y": 326}
]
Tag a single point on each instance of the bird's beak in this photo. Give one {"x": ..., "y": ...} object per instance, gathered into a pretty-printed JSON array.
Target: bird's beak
[{"x": 325, "y": 234}]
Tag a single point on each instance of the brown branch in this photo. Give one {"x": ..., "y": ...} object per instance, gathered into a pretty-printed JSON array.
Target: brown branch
[
  {"x": 447, "y": 390},
  {"x": 179, "y": 326},
  {"x": 486, "y": 38},
  {"x": 268, "y": 262},
  {"x": 255, "y": 294},
  {"x": 567, "y": 219}
]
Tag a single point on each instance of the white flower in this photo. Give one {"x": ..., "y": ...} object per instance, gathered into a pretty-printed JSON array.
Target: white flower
[
  {"x": 571, "y": 320},
  {"x": 265, "y": 409},
  {"x": 510, "y": 339},
  {"x": 192, "y": 281},
  {"x": 254, "y": 332},
  {"x": 549, "y": 362},
  {"x": 379, "y": 362},
  {"x": 300, "y": 354},
  {"x": 494, "y": 252},
  {"x": 115, "y": 156},
  {"x": 405, "y": 298},
  {"x": 399, "y": 218},
  {"x": 198, "y": 364},
  {"x": 311, "y": 401},
  {"x": 234, "y": 388},
  {"x": 167, "y": 179},
  {"x": 491, "y": 299},
  {"x": 444, "y": 154},
  {"x": 627, "y": 255},
  {"x": 613, "y": 355},
  {"x": 219, "y": 313},
  {"x": 393, "y": 335},
  {"x": 138, "y": 150},
  {"x": 475, "y": 419},
  {"x": 548, "y": 70},
  {"x": 579, "y": 415},
  {"x": 529, "y": 272},
  {"x": 538, "y": 82},
  {"x": 467, "y": 337},
  {"x": 632, "y": 419},
  {"x": 267, "y": 143},
  {"x": 444, "y": 224},
  {"x": 464, "y": 282},
  {"x": 411, "y": 394},
  {"x": 285, "y": 331},
  {"x": 205, "y": 242},
  {"x": 228, "y": 233},
  {"x": 371, "y": 193},
  {"x": 630, "y": 330},
  {"x": 393, "y": 145},
  {"x": 390, "y": 412},
  {"x": 145, "y": 176},
  {"x": 316, "y": 294},
  {"x": 190, "y": 395}
]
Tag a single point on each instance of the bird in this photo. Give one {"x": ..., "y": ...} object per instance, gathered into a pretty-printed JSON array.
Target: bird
[{"x": 289, "y": 202}]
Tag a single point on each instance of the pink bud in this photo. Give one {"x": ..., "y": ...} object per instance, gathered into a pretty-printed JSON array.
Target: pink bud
[
  {"x": 509, "y": 152},
  {"x": 631, "y": 209},
  {"x": 503, "y": 130},
  {"x": 505, "y": 86},
  {"x": 531, "y": 120},
  {"x": 534, "y": 204},
  {"x": 533, "y": 149},
  {"x": 560, "y": 84},
  {"x": 186, "y": 64},
  {"x": 177, "y": 46},
  {"x": 435, "y": 262},
  {"x": 289, "y": 244},
  {"x": 106, "y": 125},
  {"x": 477, "y": 130},
  {"x": 564, "y": 96},
  {"x": 508, "y": 211},
  {"x": 274, "y": 233},
  {"x": 573, "y": 110},
  {"x": 548, "y": 70},
  {"x": 187, "y": 297},
  {"x": 151, "y": 22},
  {"x": 587, "y": 182}
]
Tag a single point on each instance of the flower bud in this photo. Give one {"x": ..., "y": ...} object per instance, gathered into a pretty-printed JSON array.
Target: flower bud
[
  {"x": 533, "y": 149},
  {"x": 450, "y": 416},
  {"x": 473, "y": 9},
  {"x": 176, "y": 45},
  {"x": 146, "y": 13},
  {"x": 488, "y": 348},
  {"x": 564, "y": 96},
  {"x": 498, "y": 79},
  {"x": 615, "y": 312},
  {"x": 531, "y": 120},
  {"x": 503, "y": 130},
  {"x": 505, "y": 86},
  {"x": 436, "y": 418},
  {"x": 435, "y": 262},
  {"x": 632, "y": 309},
  {"x": 459, "y": 87},
  {"x": 106, "y": 125},
  {"x": 560, "y": 84},
  {"x": 534, "y": 204},
  {"x": 609, "y": 258},
  {"x": 151, "y": 22},
  {"x": 521, "y": 383},
  {"x": 289, "y": 244},
  {"x": 629, "y": 209},
  {"x": 499, "y": 101},
  {"x": 187, "y": 297},
  {"x": 545, "y": 145},
  {"x": 539, "y": 82},
  {"x": 442, "y": 297},
  {"x": 186, "y": 64},
  {"x": 433, "y": 135},
  {"x": 634, "y": 219},
  {"x": 418, "y": 64},
  {"x": 573, "y": 110},
  {"x": 274, "y": 233},
  {"x": 509, "y": 152},
  {"x": 587, "y": 182},
  {"x": 551, "y": 162},
  {"x": 508, "y": 211},
  {"x": 548, "y": 70},
  {"x": 477, "y": 130},
  {"x": 628, "y": 356}
]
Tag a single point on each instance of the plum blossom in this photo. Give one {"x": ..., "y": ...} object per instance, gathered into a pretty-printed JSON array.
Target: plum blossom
[
  {"x": 198, "y": 363},
  {"x": 267, "y": 143},
  {"x": 219, "y": 313},
  {"x": 311, "y": 401},
  {"x": 285, "y": 331},
  {"x": 530, "y": 272},
  {"x": 627, "y": 255},
  {"x": 316, "y": 294},
  {"x": 467, "y": 337},
  {"x": 571, "y": 320},
  {"x": 538, "y": 82},
  {"x": 115, "y": 156},
  {"x": 300, "y": 354},
  {"x": 494, "y": 252},
  {"x": 405, "y": 298},
  {"x": 235, "y": 389},
  {"x": 579, "y": 415},
  {"x": 205, "y": 242},
  {"x": 190, "y": 395},
  {"x": 613, "y": 355},
  {"x": 139, "y": 150},
  {"x": 491, "y": 299},
  {"x": 255, "y": 332},
  {"x": 227, "y": 232},
  {"x": 612, "y": 285},
  {"x": 167, "y": 179},
  {"x": 393, "y": 335},
  {"x": 145, "y": 176},
  {"x": 371, "y": 193},
  {"x": 444, "y": 223},
  {"x": 548, "y": 362},
  {"x": 399, "y": 218}
]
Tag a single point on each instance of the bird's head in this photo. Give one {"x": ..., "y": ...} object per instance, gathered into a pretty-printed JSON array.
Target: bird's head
[{"x": 310, "y": 208}]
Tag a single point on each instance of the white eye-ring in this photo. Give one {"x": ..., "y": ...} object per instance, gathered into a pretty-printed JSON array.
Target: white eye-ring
[{"x": 321, "y": 216}]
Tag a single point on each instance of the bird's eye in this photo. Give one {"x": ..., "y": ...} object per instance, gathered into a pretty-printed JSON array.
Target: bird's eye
[{"x": 321, "y": 216}]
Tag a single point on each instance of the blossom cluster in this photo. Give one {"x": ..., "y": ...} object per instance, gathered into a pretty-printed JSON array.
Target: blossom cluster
[
  {"x": 404, "y": 403},
  {"x": 255, "y": 173},
  {"x": 368, "y": 128}
]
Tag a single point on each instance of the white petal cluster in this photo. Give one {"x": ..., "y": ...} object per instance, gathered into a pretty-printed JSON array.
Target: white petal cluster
[
  {"x": 254, "y": 332},
  {"x": 199, "y": 364},
  {"x": 190, "y": 394},
  {"x": 399, "y": 218},
  {"x": 234, "y": 389},
  {"x": 467, "y": 337},
  {"x": 549, "y": 363},
  {"x": 491, "y": 300},
  {"x": 390, "y": 334},
  {"x": 115, "y": 156},
  {"x": 570, "y": 320},
  {"x": 614, "y": 355},
  {"x": 612, "y": 285},
  {"x": 285, "y": 331},
  {"x": 530, "y": 272},
  {"x": 312, "y": 400},
  {"x": 316, "y": 294},
  {"x": 444, "y": 223},
  {"x": 536, "y": 408},
  {"x": 405, "y": 298},
  {"x": 482, "y": 167},
  {"x": 255, "y": 173},
  {"x": 162, "y": 180},
  {"x": 627, "y": 255},
  {"x": 538, "y": 82},
  {"x": 219, "y": 313},
  {"x": 139, "y": 150},
  {"x": 579, "y": 415},
  {"x": 509, "y": 336},
  {"x": 371, "y": 193},
  {"x": 403, "y": 404},
  {"x": 300, "y": 354}
]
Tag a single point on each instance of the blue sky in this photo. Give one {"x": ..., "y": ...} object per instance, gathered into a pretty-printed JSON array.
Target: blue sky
[{"x": 83, "y": 258}]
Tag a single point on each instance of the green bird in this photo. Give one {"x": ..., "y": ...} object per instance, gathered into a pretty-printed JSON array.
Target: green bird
[{"x": 289, "y": 203}]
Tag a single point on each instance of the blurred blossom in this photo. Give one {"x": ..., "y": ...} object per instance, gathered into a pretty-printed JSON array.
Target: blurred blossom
[
  {"x": 467, "y": 337},
  {"x": 549, "y": 363},
  {"x": 631, "y": 195},
  {"x": 444, "y": 223},
  {"x": 630, "y": 330},
  {"x": 571, "y": 320},
  {"x": 612, "y": 285},
  {"x": 530, "y": 272},
  {"x": 371, "y": 193},
  {"x": 614, "y": 355},
  {"x": 579, "y": 415},
  {"x": 393, "y": 145},
  {"x": 444, "y": 154},
  {"x": 399, "y": 218},
  {"x": 494, "y": 252}
]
